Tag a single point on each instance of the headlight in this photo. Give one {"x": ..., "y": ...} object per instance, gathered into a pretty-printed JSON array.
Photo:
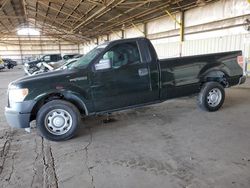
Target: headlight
[{"x": 17, "y": 94}]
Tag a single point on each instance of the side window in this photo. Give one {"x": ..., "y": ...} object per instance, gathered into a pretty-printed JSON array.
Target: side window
[
  {"x": 123, "y": 54},
  {"x": 46, "y": 58},
  {"x": 55, "y": 58},
  {"x": 59, "y": 57}
]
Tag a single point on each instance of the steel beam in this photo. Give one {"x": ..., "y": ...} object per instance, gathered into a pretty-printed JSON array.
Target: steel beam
[
  {"x": 180, "y": 23},
  {"x": 138, "y": 29}
]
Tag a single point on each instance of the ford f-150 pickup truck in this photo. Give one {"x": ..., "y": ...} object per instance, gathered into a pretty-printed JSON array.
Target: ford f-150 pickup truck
[{"x": 114, "y": 76}]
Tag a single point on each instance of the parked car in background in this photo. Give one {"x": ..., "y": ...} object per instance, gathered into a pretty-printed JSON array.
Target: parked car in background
[
  {"x": 65, "y": 59},
  {"x": 46, "y": 58},
  {"x": 71, "y": 56},
  {"x": 48, "y": 67},
  {"x": 9, "y": 63},
  {"x": 27, "y": 59},
  {"x": 55, "y": 60}
]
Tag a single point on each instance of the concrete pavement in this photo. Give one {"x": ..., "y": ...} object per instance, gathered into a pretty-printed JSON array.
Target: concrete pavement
[{"x": 173, "y": 144}]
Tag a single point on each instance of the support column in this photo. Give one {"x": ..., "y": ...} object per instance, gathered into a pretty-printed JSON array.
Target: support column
[
  {"x": 182, "y": 34},
  {"x": 78, "y": 45},
  {"x": 41, "y": 45},
  {"x": 180, "y": 23},
  {"x": 145, "y": 25},
  {"x": 60, "y": 48},
  {"x": 21, "y": 50},
  {"x": 182, "y": 26},
  {"x": 123, "y": 34}
]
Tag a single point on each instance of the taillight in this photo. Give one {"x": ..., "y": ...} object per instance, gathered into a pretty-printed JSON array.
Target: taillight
[{"x": 240, "y": 60}]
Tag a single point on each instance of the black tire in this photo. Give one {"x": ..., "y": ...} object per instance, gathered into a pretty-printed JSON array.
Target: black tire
[
  {"x": 205, "y": 97},
  {"x": 65, "y": 112}
]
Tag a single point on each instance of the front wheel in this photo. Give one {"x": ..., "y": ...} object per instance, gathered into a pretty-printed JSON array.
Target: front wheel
[
  {"x": 211, "y": 96},
  {"x": 57, "y": 120}
]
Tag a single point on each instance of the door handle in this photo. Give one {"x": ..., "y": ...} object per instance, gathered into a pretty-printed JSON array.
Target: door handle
[{"x": 143, "y": 72}]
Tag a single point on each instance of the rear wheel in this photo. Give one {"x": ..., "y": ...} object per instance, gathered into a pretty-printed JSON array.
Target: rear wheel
[
  {"x": 57, "y": 120},
  {"x": 211, "y": 96}
]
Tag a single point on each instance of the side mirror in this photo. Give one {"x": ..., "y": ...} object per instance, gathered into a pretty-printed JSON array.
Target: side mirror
[{"x": 103, "y": 64}]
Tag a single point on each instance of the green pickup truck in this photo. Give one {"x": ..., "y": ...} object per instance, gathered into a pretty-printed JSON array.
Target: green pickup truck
[{"x": 114, "y": 76}]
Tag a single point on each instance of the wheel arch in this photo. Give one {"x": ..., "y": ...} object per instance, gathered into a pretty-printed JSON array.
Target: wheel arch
[
  {"x": 67, "y": 96},
  {"x": 215, "y": 74}
]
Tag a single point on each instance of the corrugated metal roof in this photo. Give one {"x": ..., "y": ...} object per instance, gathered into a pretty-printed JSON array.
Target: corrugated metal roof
[{"x": 81, "y": 20}]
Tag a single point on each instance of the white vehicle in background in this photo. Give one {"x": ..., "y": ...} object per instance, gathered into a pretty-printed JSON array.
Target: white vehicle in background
[
  {"x": 44, "y": 65},
  {"x": 48, "y": 67}
]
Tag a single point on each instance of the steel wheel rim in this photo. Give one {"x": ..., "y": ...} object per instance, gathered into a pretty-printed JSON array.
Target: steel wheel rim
[
  {"x": 214, "y": 97},
  {"x": 58, "y": 122}
]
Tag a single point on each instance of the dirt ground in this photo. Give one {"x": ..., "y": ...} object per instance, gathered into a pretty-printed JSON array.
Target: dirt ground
[{"x": 173, "y": 144}]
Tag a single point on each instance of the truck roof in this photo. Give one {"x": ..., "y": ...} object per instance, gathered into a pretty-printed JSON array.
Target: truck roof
[{"x": 126, "y": 40}]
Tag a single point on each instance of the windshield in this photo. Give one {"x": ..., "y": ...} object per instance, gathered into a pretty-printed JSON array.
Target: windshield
[
  {"x": 69, "y": 64},
  {"x": 86, "y": 59}
]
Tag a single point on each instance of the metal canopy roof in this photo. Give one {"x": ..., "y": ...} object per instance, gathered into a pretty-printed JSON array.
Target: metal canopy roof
[{"x": 81, "y": 20}]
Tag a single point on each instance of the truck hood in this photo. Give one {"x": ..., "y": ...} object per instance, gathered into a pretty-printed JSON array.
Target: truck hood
[{"x": 49, "y": 78}]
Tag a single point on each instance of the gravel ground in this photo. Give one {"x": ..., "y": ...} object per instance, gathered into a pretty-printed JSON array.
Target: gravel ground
[{"x": 173, "y": 144}]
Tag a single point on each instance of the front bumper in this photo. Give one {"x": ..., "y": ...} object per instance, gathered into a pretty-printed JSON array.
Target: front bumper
[
  {"x": 16, "y": 119},
  {"x": 242, "y": 80},
  {"x": 19, "y": 114}
]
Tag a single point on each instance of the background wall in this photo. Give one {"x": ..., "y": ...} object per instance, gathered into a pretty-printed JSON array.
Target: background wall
[{"x": 216, "y": 27}]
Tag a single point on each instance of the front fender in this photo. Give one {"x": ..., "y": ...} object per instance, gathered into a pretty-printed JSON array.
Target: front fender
[
  {"x": 85, "y": 106},
  {"x": 79, "y": 101}
]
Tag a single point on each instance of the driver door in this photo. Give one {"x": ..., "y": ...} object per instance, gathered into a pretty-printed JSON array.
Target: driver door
[{"x": 125, "y": 83}]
